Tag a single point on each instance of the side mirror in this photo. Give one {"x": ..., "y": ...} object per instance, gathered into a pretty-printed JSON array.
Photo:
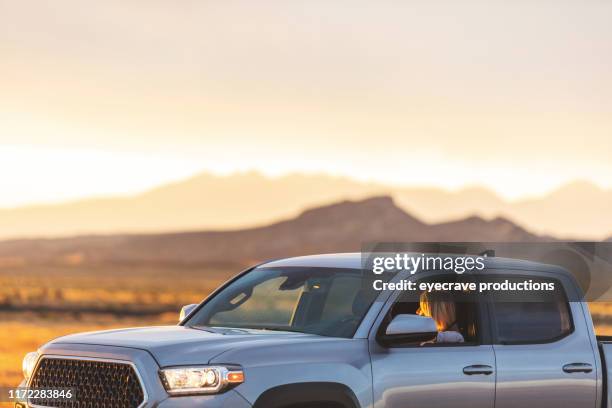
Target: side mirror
[
  {"x": 408, "y": 328},
  {"x": 186, "y": 310}
]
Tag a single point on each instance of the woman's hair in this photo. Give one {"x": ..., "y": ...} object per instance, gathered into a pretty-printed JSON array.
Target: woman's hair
[{"x": 438, "y": 305}]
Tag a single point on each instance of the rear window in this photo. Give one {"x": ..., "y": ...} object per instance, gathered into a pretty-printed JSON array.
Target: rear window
[{"x": 535, "y": 321}]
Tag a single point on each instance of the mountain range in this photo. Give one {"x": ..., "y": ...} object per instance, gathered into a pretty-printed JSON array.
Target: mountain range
[
  {"x": 578, "y": 210},
  {"x": 339, "y": 227}
]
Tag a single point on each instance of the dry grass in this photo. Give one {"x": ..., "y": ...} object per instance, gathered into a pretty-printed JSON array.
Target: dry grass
[
  {"x": 123, "y": 287},
  {"x": 602, "y": 317}
]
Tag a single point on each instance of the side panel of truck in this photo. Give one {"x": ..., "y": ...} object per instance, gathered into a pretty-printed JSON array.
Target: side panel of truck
[
  {"x": 416, "y": 377},
  {"x": 534, "y": 374},
  {"x": 564, "y": 371}
]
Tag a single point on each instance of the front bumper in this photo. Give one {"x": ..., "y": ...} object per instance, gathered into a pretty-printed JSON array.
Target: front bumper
[{"x": 156, "y": 395}]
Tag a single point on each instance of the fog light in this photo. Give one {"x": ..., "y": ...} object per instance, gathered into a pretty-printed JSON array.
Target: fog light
[{"x": 28, "y": 364}]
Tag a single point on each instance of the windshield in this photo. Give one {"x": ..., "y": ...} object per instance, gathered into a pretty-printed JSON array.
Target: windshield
[{"x": 323, "y": 301}]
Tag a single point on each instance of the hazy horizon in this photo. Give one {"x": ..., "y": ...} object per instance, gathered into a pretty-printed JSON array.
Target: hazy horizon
[
  {"x": 217, "y": 202},
  {"x": 170, "y": 181}
]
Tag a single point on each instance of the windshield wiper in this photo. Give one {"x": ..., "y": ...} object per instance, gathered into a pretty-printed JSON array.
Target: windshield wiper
[{"x": 277, "y": 329}]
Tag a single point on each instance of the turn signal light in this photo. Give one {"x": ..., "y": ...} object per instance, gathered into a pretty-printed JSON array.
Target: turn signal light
[{"x": 235, "y": 377}]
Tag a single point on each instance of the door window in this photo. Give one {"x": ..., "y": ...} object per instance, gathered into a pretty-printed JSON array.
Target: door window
[
  {"x": 533, "y": 321},
  {"x": 459, "y": 310}
]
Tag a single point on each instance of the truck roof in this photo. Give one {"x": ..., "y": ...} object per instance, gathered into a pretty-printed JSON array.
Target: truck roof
[{"x": 353, "y": 260}]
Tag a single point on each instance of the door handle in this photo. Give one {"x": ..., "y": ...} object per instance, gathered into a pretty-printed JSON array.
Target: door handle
[
  {"x": 478, "y": 369},
  {"x": 578, "y": 368}
]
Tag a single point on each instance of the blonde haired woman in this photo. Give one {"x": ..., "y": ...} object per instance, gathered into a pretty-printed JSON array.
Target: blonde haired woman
[{"x": 440, "y": 306}]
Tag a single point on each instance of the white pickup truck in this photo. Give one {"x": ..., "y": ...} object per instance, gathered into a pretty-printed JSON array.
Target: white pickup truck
[{"x": 305, "y": 332}]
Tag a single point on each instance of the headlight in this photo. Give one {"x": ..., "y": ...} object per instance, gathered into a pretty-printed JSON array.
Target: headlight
[
  {"x": 28, "y": 364},
  {"x": 200, "y": 380}
]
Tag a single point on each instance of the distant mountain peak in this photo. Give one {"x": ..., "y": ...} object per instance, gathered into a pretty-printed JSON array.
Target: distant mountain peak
[
  {"x": 578, "y": 187},
  {"x": 373, "y": 207}
]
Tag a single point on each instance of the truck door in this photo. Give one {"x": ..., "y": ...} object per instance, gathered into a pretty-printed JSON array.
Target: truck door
[
  {"x": 543, "y": 351},
  {"x": 460, "y": 375}
]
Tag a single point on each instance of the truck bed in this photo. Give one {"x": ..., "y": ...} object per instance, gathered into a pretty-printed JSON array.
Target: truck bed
[{"x": 605, "y": 350}]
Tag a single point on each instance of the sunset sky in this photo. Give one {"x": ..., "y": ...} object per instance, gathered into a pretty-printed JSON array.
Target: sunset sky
[{"x": 114, "y": 97}]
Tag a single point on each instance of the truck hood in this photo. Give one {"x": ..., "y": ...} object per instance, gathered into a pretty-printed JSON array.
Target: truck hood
[{"x": 180, "y": 345}]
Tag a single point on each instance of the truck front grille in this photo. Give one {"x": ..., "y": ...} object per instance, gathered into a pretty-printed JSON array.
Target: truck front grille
[{"x": 96, "y": 383}]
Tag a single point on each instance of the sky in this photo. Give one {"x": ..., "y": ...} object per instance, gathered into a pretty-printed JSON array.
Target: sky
[{"x": 114, "y": 97}]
